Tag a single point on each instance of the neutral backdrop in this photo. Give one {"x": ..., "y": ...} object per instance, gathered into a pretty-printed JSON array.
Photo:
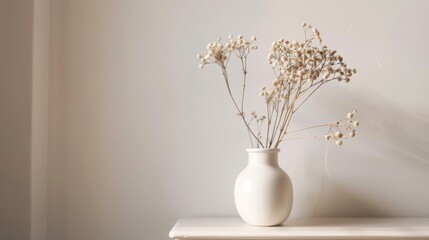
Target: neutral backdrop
[{"x": 138, "y": 136}]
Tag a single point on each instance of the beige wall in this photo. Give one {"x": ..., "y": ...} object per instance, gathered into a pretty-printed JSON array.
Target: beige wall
[
  {"x": 15, "y": 118},
  {"x": 24, "y": 114},
  {"x": 141, "y": 137},
  {"x": 56, "y": 139},
  {"x": 39, "y": 128},
  {"x": 112, "y": 131}
]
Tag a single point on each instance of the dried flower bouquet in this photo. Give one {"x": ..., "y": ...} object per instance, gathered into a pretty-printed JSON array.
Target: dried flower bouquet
[{"x": 300, "y": 69}]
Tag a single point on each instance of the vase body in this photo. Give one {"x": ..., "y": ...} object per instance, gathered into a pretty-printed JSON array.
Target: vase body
[{"x": 263, "y": 191}]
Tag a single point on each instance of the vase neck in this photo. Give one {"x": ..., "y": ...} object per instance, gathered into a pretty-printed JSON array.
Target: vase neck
[{"x": 264, "y": 158}]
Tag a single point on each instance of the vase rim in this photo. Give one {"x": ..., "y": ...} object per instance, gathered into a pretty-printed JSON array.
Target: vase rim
[{"x": 262, "y": 150}]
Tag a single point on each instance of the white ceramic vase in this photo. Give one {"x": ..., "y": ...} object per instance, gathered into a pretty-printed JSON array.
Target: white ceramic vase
[{"x": 263, "y": 191}]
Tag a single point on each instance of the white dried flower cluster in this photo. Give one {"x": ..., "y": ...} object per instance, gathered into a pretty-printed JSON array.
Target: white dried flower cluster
[
  {"x": 271, "y": 95},
  {"x": 316, "y": 32},
  {"x": 297, "y": 63},
  {"x": 345, "y": 128},
  {"x": 300, "y": 69},
  {"x": 219, "y": 53},
  {"x": 259, "y": 124}
]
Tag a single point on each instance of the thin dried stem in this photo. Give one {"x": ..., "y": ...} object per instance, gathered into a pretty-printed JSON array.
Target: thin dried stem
[
  {"x": 303, "y": 129},
  {"x": 225, "y": 75}
]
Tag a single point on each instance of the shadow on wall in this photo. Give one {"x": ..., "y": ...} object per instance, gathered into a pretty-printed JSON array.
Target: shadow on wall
[{"x": 384, "y": 172}]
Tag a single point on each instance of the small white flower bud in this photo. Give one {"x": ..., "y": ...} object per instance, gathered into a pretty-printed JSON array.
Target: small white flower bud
[
  {"x": 352, "y": 134},
  {"x": 356, "y": 124},
  {"x": 349, "y": 115},
  {"x": 253, "y": 38},
  {"x": 315, "y": 31},
  {"x": 327, "y": 137},
  {"x": 326, "y": 75},
  {"x": 338, "y": 135},
  {"x": 201, "y": 66},
  {"x": 339, "y": 143},
  {"x": 240, "y": 37}
]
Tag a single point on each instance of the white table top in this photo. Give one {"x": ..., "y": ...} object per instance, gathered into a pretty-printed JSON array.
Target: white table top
[{"x": 304, "y": 228}]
